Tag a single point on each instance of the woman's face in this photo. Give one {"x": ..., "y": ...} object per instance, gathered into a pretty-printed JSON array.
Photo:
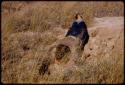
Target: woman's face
[{"x": 79, "y": 17}]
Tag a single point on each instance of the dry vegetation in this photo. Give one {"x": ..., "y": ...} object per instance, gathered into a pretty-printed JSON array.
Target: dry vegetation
[{"x": 30, "y": 28}]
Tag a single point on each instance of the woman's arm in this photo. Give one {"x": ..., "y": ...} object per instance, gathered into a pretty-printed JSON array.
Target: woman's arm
[
  {"x": 74, "y": 25},
  {"x": 68, "y": 33}
]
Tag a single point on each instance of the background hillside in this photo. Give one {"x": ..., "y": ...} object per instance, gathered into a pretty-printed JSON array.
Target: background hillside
[{"x": 28, "y": 30}]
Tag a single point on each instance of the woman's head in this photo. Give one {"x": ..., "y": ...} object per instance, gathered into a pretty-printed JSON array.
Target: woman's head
[{"x": 77, "y": 16}]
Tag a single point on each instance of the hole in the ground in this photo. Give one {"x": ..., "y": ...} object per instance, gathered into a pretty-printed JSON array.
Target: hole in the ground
[
  {"x": 25, "y": 47},
  {"x": 61, "y": 51},
  {"x": 44, "y": 67}
]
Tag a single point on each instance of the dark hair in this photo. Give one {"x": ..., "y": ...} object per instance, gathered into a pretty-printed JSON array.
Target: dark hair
[{"x": 76, "y": 16}]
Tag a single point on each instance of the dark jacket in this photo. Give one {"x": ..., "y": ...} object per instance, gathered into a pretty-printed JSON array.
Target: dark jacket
[{"x": 77, "y": 28}]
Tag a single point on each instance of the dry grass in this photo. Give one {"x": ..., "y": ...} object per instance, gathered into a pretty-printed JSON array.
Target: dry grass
[{"x": 28, "y": 30}]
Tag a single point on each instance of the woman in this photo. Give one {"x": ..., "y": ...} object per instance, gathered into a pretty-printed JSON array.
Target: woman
[{"x": 79, "y": 29}]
